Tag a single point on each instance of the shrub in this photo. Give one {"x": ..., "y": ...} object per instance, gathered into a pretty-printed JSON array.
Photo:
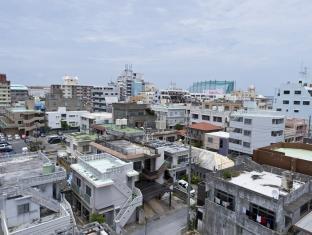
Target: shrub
[{"x": 97, "y": 218}]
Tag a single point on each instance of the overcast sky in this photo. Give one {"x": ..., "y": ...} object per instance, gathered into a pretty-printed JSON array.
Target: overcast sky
[{"x": 260, "y": 42}]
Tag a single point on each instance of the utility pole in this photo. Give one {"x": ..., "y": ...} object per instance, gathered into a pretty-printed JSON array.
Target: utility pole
[
  {"x": 309, "y": 129},
  {"x": 189, "y": 174}
]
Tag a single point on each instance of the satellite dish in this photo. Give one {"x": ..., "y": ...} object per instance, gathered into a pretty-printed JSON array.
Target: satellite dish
[{"x": 275, "y": 194}]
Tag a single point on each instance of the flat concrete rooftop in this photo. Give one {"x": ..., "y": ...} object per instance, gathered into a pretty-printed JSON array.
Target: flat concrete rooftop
[
  {"x": 126, "y": 129},
  {"x": 303, "y": 154},
  {"x": 265, "y": 183},
  {"x": 81, "y": 137}
]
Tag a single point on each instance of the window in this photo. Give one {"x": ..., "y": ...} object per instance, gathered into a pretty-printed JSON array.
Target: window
[
  {"x": 286, "y": 92},
  {"x": 276, "y": 133},
  {"x": 287, "y": 221},
  {"x": 88, "y": 190},
  {"x": 85, "y": 148},
  {"x": 22, "y": 209},
  {"x": 78, "y": 182},
  {"x": 246, "y": 144},
  {"x": 217, "y": 119},
  {"x": 235, "y": 141},
  {"x": 296, "y": 102},
  {"x": 206, "y": 117},
  {"x": 237, "y": 130},
  {"x": 278, "y": 121},
  {"x": 296, "y": 111},
  {"x": 255, "y": 210},
  {"x": 237, "y": 119},
  {"x": 297, "y": 92},
  {"x": 279, "y": 109},
  {"x": 247, "y": 133},
  {"x": 210, "y": 140},
  {"x": 247, "y": 121},
  {"x": 225, "y": 199},
  {"x": 304, "y": 208},
  {"x": 306, "y": 102},
  {"x": 195, "y": 116},
  {"x": 182, "y": 159},
  {"x": 285, "y": 101}
]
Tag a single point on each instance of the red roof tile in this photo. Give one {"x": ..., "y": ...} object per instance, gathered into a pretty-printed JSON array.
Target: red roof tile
[{"x": 203, "y": 126}]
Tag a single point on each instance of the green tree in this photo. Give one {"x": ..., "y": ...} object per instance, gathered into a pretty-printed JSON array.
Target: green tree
[
  {"x": 178, "y": 127},
  {"x": 95, "y": 217},
  {"x": 64, "y": 125}
]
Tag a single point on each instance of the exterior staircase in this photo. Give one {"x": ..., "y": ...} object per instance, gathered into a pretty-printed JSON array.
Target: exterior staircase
[
  {"x": 39, "y": 198},
  {"x": 155, "y": 174},
  {"x": 135, "y": 200}
]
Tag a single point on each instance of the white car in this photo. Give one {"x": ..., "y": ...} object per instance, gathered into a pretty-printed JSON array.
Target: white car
[
  {"x": 9, "y": 137},
  {"x": 17, "y": 137},
  {"x": 183, "y": 185}
]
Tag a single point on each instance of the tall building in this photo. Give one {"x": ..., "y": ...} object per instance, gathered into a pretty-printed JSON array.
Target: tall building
[
  {"x": 103, "y": 97},
  {"x": 5, "y": 92},
  {"x": 129, "y": 83},
  {"x": 295, "y": 99},
  {"x": 18, "y": 93}
]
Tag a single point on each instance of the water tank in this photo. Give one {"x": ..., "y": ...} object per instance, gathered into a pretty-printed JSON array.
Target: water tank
[
  {"x": 287, "y": 180},
  {"x": 118, "y": 122},
  {"x": 124, "y": 121},
  {"x": 48, "y": 168}
]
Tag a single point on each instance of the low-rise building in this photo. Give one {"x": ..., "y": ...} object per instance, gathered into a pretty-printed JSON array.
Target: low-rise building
[
  {"x": 105, "y": 185},
  {"x": 90, "y": 119},
  {"x": 295, "y": 130},
  {"x": 217, "y": 142},
  {"x": 252, "y": 129},
  {"x": 255, "y": 199},
  {"x": 197, "y": 131},
  {"x": 174, "y": 114},
  {"x": 103, "y": 97},
  {"x": 79, "y": 143},
  {"x": 296, "y": 157},
  {"x": 30, "y": 196},
  {"x": 18, "y": 93},
  {"x": 21, "y": 121},
  {"x": 137, "y": 115},
  {"x": 63, "y": 118}
]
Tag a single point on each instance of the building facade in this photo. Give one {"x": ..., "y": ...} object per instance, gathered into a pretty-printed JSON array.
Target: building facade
[
  {"x": 252, "y": 129},
  {"x": 18, "y": 93},
  {"x": 103, "y": 98},
  {"x": 5, "y": 92}
]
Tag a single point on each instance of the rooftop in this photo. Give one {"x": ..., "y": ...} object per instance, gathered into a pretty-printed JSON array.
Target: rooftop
[
  {"x": 303, "y": 154},
  {"x": 97, "y": 115},
  {"x": 81, "y": 137},
  {"x": 18, "y": 87},
  {"x": 22, "y": 110},
  {"x": 203, "y": 126},
  {"x": 221, "y": 134},
  {"x": 265, "y": 183},
  {"x": 122, "y": 129},
  {"x": 169, "y": 147},
  {"x": 257, "y": 113}
]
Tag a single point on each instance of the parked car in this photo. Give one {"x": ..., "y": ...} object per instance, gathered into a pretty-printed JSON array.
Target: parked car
[
  {"x": 17, "y": 137},
  {"x": 10, "y": 138},
  {"x": 183, "y": 185},
  {"x": 56, "y": 139},
  {"x": 5, "y": 148}
]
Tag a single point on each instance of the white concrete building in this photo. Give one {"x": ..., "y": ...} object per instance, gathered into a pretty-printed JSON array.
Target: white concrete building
[
  {"x": 72, "y": 118},
  {"x": 5, "y": 93},
  {"x": 88, "y": 119},
  {"x": 294, "y": 99},
  {"x": 171, "y": 114},
  {"x": 252, "y": 129},
  {"x": 30, "y": 196},
  {"x": 104, "y": 184},
  {"x": 103, "y": 97},
  {"x": 217, "y": 116}
]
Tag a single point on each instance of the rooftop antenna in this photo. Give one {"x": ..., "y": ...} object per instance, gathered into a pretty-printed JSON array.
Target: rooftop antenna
[{"x": 304, "y": 72}]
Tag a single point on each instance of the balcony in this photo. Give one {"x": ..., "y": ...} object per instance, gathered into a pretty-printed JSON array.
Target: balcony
[{"x": 85, "y": 197}]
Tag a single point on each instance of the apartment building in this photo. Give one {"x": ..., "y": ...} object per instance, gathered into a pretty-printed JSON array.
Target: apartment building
[
  {"x": 31, "y": 202},
  {"x": 252, "y": 129},
  {"x": 294, "y": 99},
  {"x": 216, "y": 116},
  {"x": 103, "y": 97},
  {"x": 38, "y": 91},
  {"x": 255, "y": 199},
  {"x": 88, "y": 120},
  {"x": 171, "y": 115},
  {"x": 296, "y": 130},
  {"x": 18, "y": 93},
  {"x": 63, "y": 118},
  {"x": 21, "y": 121},
  {"x": 5, "y": 92},
  {"x": 137, "y": 115},
  {"x": 217, "y": 142},
  {"x": 197, "y": 131},
  {"x": 105, "y": 185}
]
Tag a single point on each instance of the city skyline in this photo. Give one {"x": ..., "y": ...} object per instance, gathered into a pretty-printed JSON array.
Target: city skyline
[{"x": 256, "y": 43}]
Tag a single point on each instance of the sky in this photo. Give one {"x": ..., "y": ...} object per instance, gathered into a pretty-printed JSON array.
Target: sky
[{"x": 263, "y": 43}]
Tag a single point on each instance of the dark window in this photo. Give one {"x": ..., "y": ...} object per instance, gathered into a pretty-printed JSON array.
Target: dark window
[
  {"x": 304, "y": 208},
  {"x": 297, "y": 92},
  {"x": 78, "y": 182},
  {"x": 306, "y": 102},
  {"x": 217, "y": 119},
  {"x": 22, "y": 209},
  {"x": 88, "y": 190},
  {"x": 285, "y": 101},
  {"x": 297, "y": 102},
  {"x": 247, "y": 133},
  {"x": 206, "y": 117},
  {"x": 269, "y": 215},
  {"x": 246, "y": 144},
  {"x": 225, "y": 199},
  {"x": 296, "y": 111},
  {"x": 278, "y": 121},
  {"x": 278, "y": 109},
  {"x": 286, "y": 92},
  {"x": 247, "y": 121},
  {"x": 195, "y": 116}
]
